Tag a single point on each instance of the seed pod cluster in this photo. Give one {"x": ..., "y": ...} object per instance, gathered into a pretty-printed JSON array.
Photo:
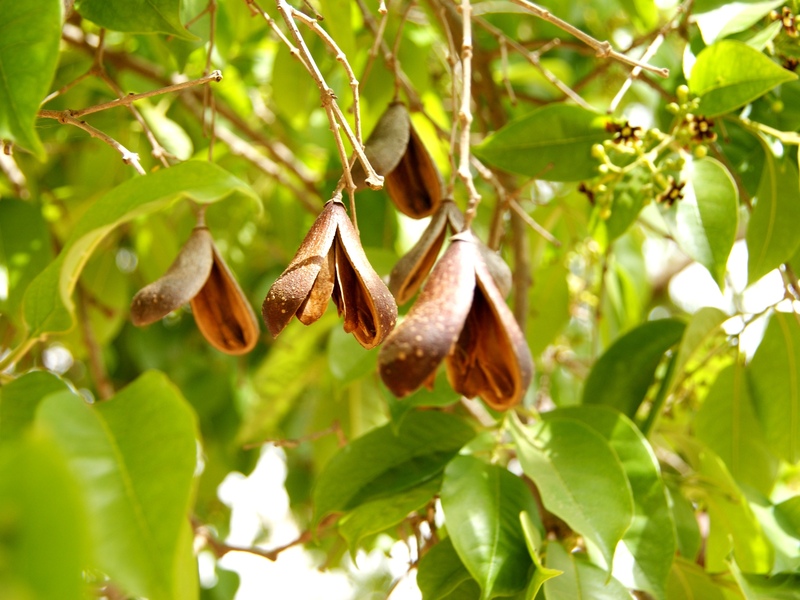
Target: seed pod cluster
[{"x": 200, "y": 277}]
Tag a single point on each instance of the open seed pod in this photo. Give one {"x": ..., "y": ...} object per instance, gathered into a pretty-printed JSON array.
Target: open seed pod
[
  {"x": 410, "y": 271},
  {"x": 200, "y": 277},
  {"x": 460, "y": 317},
  {"x": 396, "y": 151},
  {"x": 331, "y": 263}
]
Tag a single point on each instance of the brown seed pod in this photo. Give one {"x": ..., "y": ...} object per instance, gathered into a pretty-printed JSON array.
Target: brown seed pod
[
  {"x": 396, "y": 151},
  {"x": 200, "y": 277},
  {"x": 460, "y": 317},
  {"x": 410, "y": 271},
  {"x": 331, "y": 263}
]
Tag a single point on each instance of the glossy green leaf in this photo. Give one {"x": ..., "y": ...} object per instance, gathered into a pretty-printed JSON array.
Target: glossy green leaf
[
  {"x": 727, "y": 424},
  {"x": 775, "y": 379},
  {"x": 533, "y": 539},
  {"x": 703, "y": 327},
  {"x": 48, "y": 305},
  {"x": 379, "y": 515},
  {"x": 643, "y": 558},
  {"x": 481, "y": 504},
  {"x": 441, "y": 574},
  {"x": 771, "y": 233},
  {"x": 25, "y": 249},
  {"x": 552, "y": 143},
  {"x": 30, "y": 33},
  {"x": 688, "y": 581},
  {"x": 729, "y": 74},
  {"x": 705, "y": 220},
  {"x": 581, "y": 579},
  {"x": 135, "y": 456},
  {"x": 622, "y": 375},
  {"x": 732, "y": 524},
  {"x": 43, "y": 528},
  {"x": 136, "y": 16},
  {"x": 382, "y": 463},
  {"x": 579, "y": 477},
  {"x": 731, "y": 17},
  {"x": 20, "y": 398}
]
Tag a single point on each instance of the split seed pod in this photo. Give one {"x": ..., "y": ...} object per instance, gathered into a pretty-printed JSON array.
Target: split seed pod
[
  {"x": 200, "y": 277},
  {"x": 332, "y": 263},
  {"x": 410, "y": 271},
  {"x": 396, "y": 151},
  {"x": 461, "y": 318}
]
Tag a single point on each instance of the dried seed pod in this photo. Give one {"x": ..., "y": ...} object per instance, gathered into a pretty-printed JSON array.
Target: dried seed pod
[
  {"x": 498, "y": 268},
  {"x": 185, "y": 277},
  {"x": 386, "y": 144},
  {"x": 200, "y": 277},
  {"x": 414, "y": 350},
  {"x": 460, "y": 317},
  {"x": 331, "y": 263},
  {"x": 410, "y": 271},
  {"x": 491, "y": 358}
]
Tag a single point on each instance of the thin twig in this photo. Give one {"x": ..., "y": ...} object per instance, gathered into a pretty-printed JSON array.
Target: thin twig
[
  {"x": 465, "y": 114},
  {"x": 602, "y": 49},
  {"x": 128, "y": 157},
  {"x": 514, "y": 205},
  {"x": 335, "y": 428},
  {"x": 208, "y": 96}
]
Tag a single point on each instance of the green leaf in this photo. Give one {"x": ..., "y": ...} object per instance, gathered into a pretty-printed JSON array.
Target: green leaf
[
  {"x": 726, "y": 423},
  {"x": 788, "y": 515},
  {"x": 48, "y": 305},
  {"x": 622, "y": 375},
  {"x": 732, "y": 524},
  {"x": 533, "y": 539},
  {"x": 30, "y": 33},
  {"x": 442, "y": 394},
  {"x": 729, "y": 74},
  {"x": 731, "y": 17},
  {"x": 775, "y": 379},
  {"x": 688, "y": 581},
  {"x": 382, "y": 463},
  {"x": 703, "y": 327},
  {"x": 781, "y": 586},
  {"x": 705, "y": 220},
  {"x": 643, "y": 13},
  {"x": 25, "y": 249},
  {"x": 441, "y": 573},
  {"x": 20, "y": 398},
  {"x": 686, "y": 527},
  {"x": 136, "y": 16},
  {"x": 338, "y": 18},
  {"x": 643, "y": 558},
  {"x": 579, "y": 477},
  {"x": 581, "y": 579},
  {"x": 43, "y": 525},
  {"x": 347, "y": 359},
  {"x": 135, "y": 456},
  {"x": 771, "y": 234},
  {"x": 553, "y": 143},
  {"x": 481, "y": 504},
  {"x": 548, "y": 300},
  {"x": 379, "y": 515}
]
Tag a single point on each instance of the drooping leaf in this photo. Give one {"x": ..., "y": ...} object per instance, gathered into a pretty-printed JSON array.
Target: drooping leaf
[
  {"x": 481, "y": 504},
  {"x": 622, "y": 375},
  {"x": 136, "y": 16},
  {"x": 579, "y": 477},
  {"x": 19, "y": 399},
  {"x": 729, "y": 74},
  {"x": 717, "y": 22},
  {"x": 771, "y": 235},
  {"x": 706, "y": 219},
  {"x": 382, "y": 463},
  {"x": 29, "y": 40},
  {"x": 135, "y": 457},
  {"x": 727, "y": 424},
  {"x": 580, "y": 579},
  {"x": 552, "y": 143},
  {"x": 378, "y": 515},
  {"x": 442, "y": 575},
  {"x": 48, "y": 305},
  {"x": 643, "y": 558},
  {"x": 43, "y": 536},
  {"x": 774, "y": 375}
]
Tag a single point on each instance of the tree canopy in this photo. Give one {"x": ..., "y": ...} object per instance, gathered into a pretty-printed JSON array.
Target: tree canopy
[{"x": 480, "y": 214}]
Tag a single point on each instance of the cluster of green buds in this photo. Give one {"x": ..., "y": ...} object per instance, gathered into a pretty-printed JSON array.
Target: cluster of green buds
[{"x": 693, "y": 131}]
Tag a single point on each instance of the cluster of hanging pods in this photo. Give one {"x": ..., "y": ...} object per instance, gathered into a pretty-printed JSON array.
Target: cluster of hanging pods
[{"x": 459, "y": 318}]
